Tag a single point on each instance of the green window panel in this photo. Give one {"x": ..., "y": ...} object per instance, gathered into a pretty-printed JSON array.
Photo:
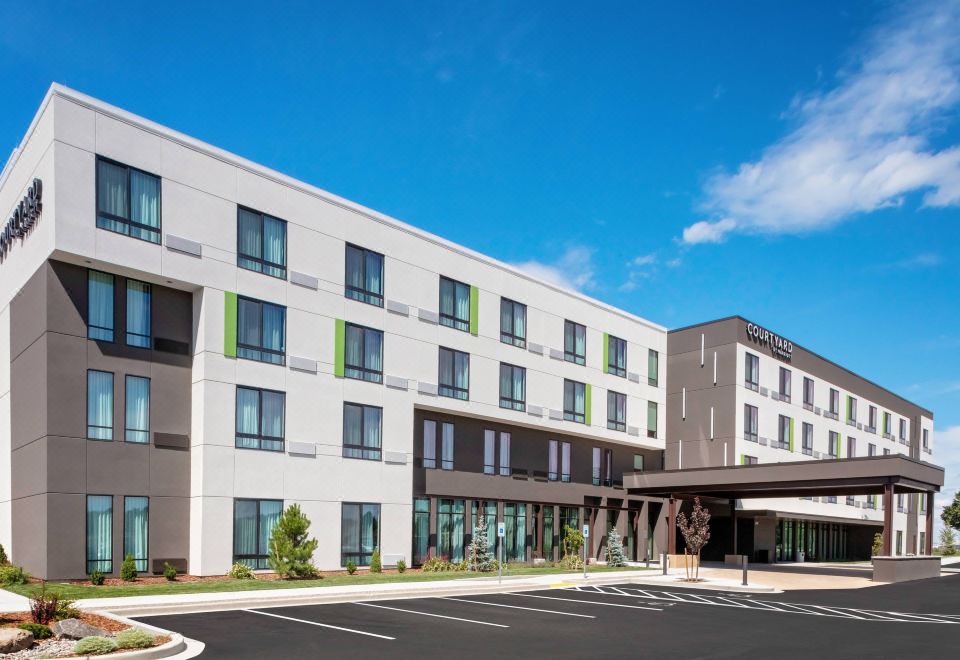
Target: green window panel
[
  {"x": 587, "y": 404},
  {"x": 474, "y": 311},
  {"x": 791, "y": 434},
  {"x": 606, "y": 352},
  {"x": 340, "y": 333},
  {"x": 230, "y": 324}
]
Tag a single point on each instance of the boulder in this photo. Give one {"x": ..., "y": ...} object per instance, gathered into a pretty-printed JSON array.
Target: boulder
[
  {"x": 14, "y": 639},
  {"x": 75, "y": 629}
]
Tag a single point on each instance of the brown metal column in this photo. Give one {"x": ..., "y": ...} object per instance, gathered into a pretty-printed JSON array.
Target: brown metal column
[
  {"x": 672, "y": 526},
  {"x": 539, "y": 524},
  {"x": 733, "y": 523},
  {"x": 929, "y": 540},
  {"x": 432, "y": 542},
  {"x": 643, "y": 524},
  {"x": 530, "y": 526},
  {"x": 557, "y": 534},
  {"x": 887, "y": 519}
]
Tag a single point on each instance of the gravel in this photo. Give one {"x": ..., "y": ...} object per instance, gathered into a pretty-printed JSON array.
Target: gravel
[{"x": 49, "y": 649}]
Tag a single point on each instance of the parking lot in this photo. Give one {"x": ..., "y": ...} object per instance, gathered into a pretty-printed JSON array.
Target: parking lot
[{"x": 921, "y": 619}]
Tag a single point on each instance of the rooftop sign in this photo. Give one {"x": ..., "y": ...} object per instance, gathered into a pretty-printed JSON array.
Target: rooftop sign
[
  {"x": 23, "y": 218},
  {"x": 779, "y": 346}
]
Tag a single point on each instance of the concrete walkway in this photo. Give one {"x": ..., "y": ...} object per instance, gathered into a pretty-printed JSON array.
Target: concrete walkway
[{"x": 11, "y": 602}]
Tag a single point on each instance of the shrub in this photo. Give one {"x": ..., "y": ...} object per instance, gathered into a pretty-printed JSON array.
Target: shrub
[
  {"x": 128, "y": 569},
  {"x": 877, "y": 544},
  {"x": 135, "y": 638},
  {"x": 291, "y": 548},
  {"x": 351, "y": 566},
  {"x": 572, "y": 540},
  {"x": 375, "y": 565},
  {"x": 39, "y": 630},
  {"x": 615, "y": 556},
  {"x": 460, "y": 566},
  {"x": 44, "y": 605},
  {"x": 241, "y": 572},
  {"x": 169, "y": 571},
  {"x": 96, "y": 578},
  {"x": 401, "y": 566},
  {"x": 66, "y": 610},
  {"x": 3, "y": 555},
  {"x": 571, "y": 563},
  {"x": 10, "y": 575},
  {"x": 436, "y": 565},
  {"x": 94, "y": 646}
]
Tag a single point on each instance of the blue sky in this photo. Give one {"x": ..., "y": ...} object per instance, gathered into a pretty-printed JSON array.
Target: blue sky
[{"x": 796, "y": 165}]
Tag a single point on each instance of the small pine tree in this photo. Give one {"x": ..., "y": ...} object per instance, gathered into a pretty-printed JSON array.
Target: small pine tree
[
  {"x": 615, "y": 556},
  {"x": 291, "y": 548},
  {"x": 877, "y": 544},
  {"x": 375, "y": 565},
  {"x": 128, "y": 569},
  {"x": 948, "y": 542},
  {"x": 480, "y": 558}
]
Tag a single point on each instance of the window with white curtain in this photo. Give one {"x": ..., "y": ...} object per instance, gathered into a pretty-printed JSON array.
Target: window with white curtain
[
  {"x": 653, "y": 368},
  {"x": 128, "y": 201},
  {"x": 446, "y": 446},
  {"x": 513, "y": 387},
  {"x": 785, "y": 384},
  {"x": 553, "y": 461},
  {"x": 574, "y": 342},
  {"x": 136, "y": 527},
  {"x": 137, "y": 397},
  {"x": 363, "y": 353},
  {"x": 751, "y": 422},
  {"x": 454, "y": 304},
  {"x": 565, "y": 461},
  {"x": 616, "y": 411},
  {"x": 751, "y": 371},
  {"x": 454, "y": 374},
  {"x": 364, "y": 276},
  {"x": 99, "y": 405},
  {"x": 574, "y": 401},
  {"x": 138, "y": 314},
  {"x": 596, "y": 466},
  {"x": 261, "y": 243},
  {"x": 429, "y": 444},
  {"x": 362, "y": 428},
  {"x": 99, "y": 305},
  {"x": 652, "y": 419},
  {"x": 489, "y": 451},
  {"x": 260, "y": 419},
  {"x": 359, "y": 532},
  {"x": 261, "y": 331},
  {"x": 616, "y": 356},
  {"x": 504, "y": 454},
  {"x": 253, "y": 523},
  {"x": 99, "y": 533},
  {"x": 513, "y": 323}
]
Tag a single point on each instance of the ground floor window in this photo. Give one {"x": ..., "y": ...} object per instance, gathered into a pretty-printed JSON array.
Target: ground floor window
[
  {"x": 359, "y": 532},
  {"x": 253, "y": 523},
  {"x": 421, "y": 530},
  {"x": 922, "y": 550},
  {"x": 569, "y": 517},
  {"x": 819, "y": 541},
  {"x": 515, "y": 541},
  {"x": 899, "y": 542},
  {"x": 99, "y": 533},
  {"x": 548, "y": 533},
  {"x": 450, "y": 523},
  {"x": 136, "y": 522}
]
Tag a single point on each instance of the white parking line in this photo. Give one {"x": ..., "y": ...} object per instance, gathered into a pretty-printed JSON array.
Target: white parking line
[
  {"x": 321, "y": 625},
  {"x": 592, "y": 602},
  {"x": 439, "y": 616},
  {"x": 517, "y": 607}
]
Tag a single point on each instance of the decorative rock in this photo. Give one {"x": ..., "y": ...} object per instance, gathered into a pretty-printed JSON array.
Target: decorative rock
[
  {"x": 14, "y": 639},
  {"x": 75, "y": 629}
]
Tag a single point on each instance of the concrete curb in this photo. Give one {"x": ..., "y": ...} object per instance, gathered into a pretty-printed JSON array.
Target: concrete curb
[{"x": 175, "y": 646}]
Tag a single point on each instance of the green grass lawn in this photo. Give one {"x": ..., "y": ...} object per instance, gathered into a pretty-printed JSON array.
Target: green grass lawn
[{"x": 77, "y": 591}]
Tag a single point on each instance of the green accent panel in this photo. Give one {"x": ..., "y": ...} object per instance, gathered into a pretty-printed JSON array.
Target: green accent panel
[
  {"x": 587, "y": 401},
  {"x": 743, "y": 460},
  {"x": 230, "y": 324},
  {"x": 474, "y": 311},
  {"x": 606, "y": 351},
  {"x": 791, "y": 434},
  {"x": 340, "y": 334}
]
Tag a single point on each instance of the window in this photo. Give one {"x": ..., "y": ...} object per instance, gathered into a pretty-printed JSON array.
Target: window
[
  {"x": 513, "y": 323},
  {"x": 136, "y": 522},
  {"x": 926, "y": 439},
  {"x": 871, "y": 449},
  {"x": 616, "y": 411},
  {"x": 363, "y": 353},
  {"x": 128, "y": 201},
  {"x": 574, "y": 342},
  {"x": 751, "y": 378},
  {"x": 261, "y": 331},
  {"x": 359, "y": 532},
  {"x": 785, "y": 384},
  {"x": 421, "y": 530},
  {"x": 565, "y": 461},
  {"x": 454, "y": 304},
  {"x": 851, "y": 410},
  {"x": 362, "y": 431},
  {"x": 653, "y": 368},
  {"x": 886, "y": 423},
  {"x": 808, "y": 392},
  {"x": 553, "y": 460},
  {"x": 750, "y": 460},
  {"x": 138, "y": 314},
  {"x": 899, "y": 542},
  {"x": 504, "y": 454},
  {"x": 900, "y": 505},
  {"x": 490, "y": 451},
  {"x": 99, "y": 405},
  {"x": 429, "y": 444},
  {"x": 807, "y": 439},
  {"x": 99, "y": 306},
  {"x": 99, "y": 533},
  {"x": 638, "y": 462},
  {"x": 259, "y": 419},
  {"x": 446, "y": 446},
  {"x": 872, "y": 419},
  {"x": 597, "y": 470},
  {"x": 513, "y": 387},
  {"x": 886, "y": 452},
  {"x": 903, "y": 429},
  {"x": 851, "y": 447},
  {"x": 783, "y": 432},
  {"x": 574, "y": 401},
  {"x": 834, "y": 402},
  {"x": 851, "y": 500},
  {"x": 834, "y": 449},
  {"x": 364, "y": 277},
  {"x": 454, "y": 374},
  {"x": 651, "y": 419},
  {"x": 137, "y": 426},
  {"x": 261, "y": 243},
  {"x": 751, "y": 422},
  {"x": 451, "y": 519},
  {"x": 253, "y": 523},
  {"x": 616, "y": 356}
]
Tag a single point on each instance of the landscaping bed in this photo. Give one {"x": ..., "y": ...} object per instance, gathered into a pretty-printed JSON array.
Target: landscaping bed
[{"x": 117, "y": 634}]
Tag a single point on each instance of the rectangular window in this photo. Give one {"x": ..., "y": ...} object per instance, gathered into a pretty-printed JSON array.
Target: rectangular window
[
  {"x": 454, "y": 374},
  {"x": 261, "y": 243},
  {"x": 446, "y": 446},
  {"x": 851, "y": 447},
  {"x": 137, "y": 426},
  {"x": 903, "y": 429},
  {"x": 513, "y": 381},
  {"x": 253, "y": 523},
  {"x": 99, "y": 305},
  {"x": 834, "y": 449},
  {"x": 638, "y": 462},
  {"x": 616, "y": 356},
  {"x": 260, "y": 417},
  {"x": 99, "y": 533},
  {"x": 785, "y": 384},
  {"x": 429, "y": 444},
  {"x": 565, "y": 461},
  {"x": 136, "y": 525},
  {"x": 899, "y": 542},
  {"x": 421, "y": 530},
  {"x": 363, "y": 353},
  {"x": 364, "y": 277},
  {"x": 362, "y": 431},
  {"x": 808, "y": 439},
  {"x": 454, "y": 304},
  {"x": 128, "y": 201},
  {"x": 834, "y": 402},
  {"x": 808, "y": 392},
  {"x": 871, "y": 449},
  {"x": 504, "y": 454},
  {"x": 553, "y": 461},
  {"x": 99, "y": 405},
  {"x": 653, "y": 368},
  {"x": 851, "y": 410},
  {"x": 359, "y": 532},
  {"x": 616, "y": 411},
  {"x": 138, "y": 314},
  {"x": 751, "y": 422},
  {"x": 574, "y": 342},
  {"x": 490, "y": 451},
  {"x": 596, "y": 466},
  {"x": 751, "y": 371},
  {"x": 886, "y": 423},
  {"x": 574, "y": 401},
  {"x": 651, "y": 419},
  {"x": 783, "y": 432},
  {"x": 451, "y": 518},
  {"x": 926, "y": 439},
  {"x": 872, "y": 419},
  {"x": 513, "y": 323},
  {"x": 750, "y": 460},
  {"x": 261, "y": 331}
]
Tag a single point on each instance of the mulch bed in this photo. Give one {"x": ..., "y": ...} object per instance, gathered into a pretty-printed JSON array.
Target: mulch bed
[
  {"x": 159, "y": 579},
  {"x": 13, "y": 619}
]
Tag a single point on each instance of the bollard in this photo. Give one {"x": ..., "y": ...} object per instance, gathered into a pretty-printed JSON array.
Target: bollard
[
  {"x": 743, "y": 558},
  {"x": 648, "y": 560},
  {"x": 663, "y": 562}
]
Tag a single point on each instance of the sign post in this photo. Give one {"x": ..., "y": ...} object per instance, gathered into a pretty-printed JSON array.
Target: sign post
[
  {"x": 586, "y": 538},
  {"x": 501, "y": 533}
]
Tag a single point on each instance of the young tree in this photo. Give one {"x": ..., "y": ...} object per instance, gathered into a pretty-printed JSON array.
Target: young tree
[
  {"x": 951, "y": 514},
  {"x": 615, "y": 556},
  {"x": 696, "y": 533},
  {"x": 948, "y": 542},
  {"x": 877, "y": 544},
  {"x": 572, "y": 541},
  {"x": 291, "y": 549},
  {"x": 479, "y": 557}
]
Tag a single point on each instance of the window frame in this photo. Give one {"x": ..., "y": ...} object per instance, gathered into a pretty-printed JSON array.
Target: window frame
[
  {"x": 451, "y": 390},
  {"x": 357, "y": 555},
  {"x": 806, "y": 447},
  {"x": 261, "y": 349},
  {"x": 751, "y": 412},
  {"x": 783, "y": 431},
  {"x": 452, "y": 320},
  {"x": 570, "y": 354},
  {"x": 616, "y": 424},
  {"x": 126, "y": 410},
  {"x": 127, "y": 222},
  {"x": 256, "y": 557},
  {"x": 511, "y": 337},
  {"x": 364, "y": 295},
  {"x": 573, "y": 415},
  {"x": 448, "y": 462},
  {"x": 363, "y": 452},
  {"x": 509, "y": 400},
  {"x": 652, "y": 406},
  {"x": 361, "y": 372},
  {"x": 86, "y": 518},
  {"x": 259, "y": 437},
  {"x": 808, "y": 391},
  {"x": 113, "y": 308},
  {"x": 145, "y": 560},
  {"x": 653, "y": 357},
  {"x": 263, "y": 263},
  {"x": 429, "y": 442},
  {"x": 489, "y": 452},
  {"x": 127, "y": 333},
  {"x": 614, "y": 346},
  {"x": 113, "y": 404},
  {"x": 751, "y": 367},
  {"x": 785, "y": 382}
]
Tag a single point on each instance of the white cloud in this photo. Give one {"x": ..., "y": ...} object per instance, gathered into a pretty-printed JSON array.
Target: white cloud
[
  {"x": 574, "y": 269},
  {"x": 946, "y": 452},
  {"x": 643, "y": 260},
  {"x": 859, "y": 147}
]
